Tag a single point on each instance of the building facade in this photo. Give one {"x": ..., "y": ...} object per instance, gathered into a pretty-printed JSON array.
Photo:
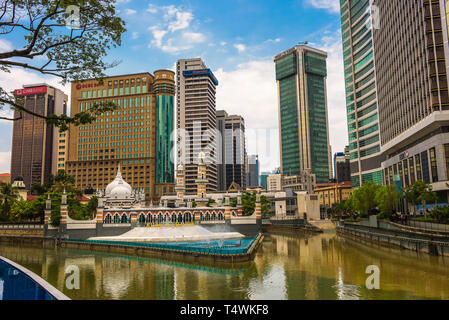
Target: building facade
[
  {"x": 413, "y": 92},
  {"x": 196, "y": 120},
  {"x": 136, "y": 135},
  {"x": 231, "y": 150},
  {"x": 35, "y": 144},
  {"x": 361, "y": 91},
  {"x": 330, "y": 193},
  {"x": 342, "y": 166},
  {"x": 301, "y": 75},
  {"x": 252, "y": 170},
  {"x": 274, "y": 182}
]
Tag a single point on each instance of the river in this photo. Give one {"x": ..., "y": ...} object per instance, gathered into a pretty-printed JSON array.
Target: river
[{"x": 287, "y": 266}]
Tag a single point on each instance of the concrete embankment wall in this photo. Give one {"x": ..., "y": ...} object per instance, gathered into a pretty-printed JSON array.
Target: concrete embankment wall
[{"x": 395, "y": 237}]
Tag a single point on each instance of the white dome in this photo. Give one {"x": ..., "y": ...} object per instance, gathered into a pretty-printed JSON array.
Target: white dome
[
  {"x": 121, "y": 191},
  {"x": 115, "y": 183}
]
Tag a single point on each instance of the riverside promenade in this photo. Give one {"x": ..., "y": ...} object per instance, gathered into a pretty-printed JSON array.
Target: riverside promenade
[{"x": 391, "y": 234}]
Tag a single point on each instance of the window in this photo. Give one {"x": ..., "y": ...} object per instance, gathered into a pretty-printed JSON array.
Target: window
[
  {"x": 446, "y": 154},
  {"x": 433, "y": 165}
]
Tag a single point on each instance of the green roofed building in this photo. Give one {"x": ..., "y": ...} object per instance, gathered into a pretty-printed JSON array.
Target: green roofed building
[{"x": 301, "y": 75}]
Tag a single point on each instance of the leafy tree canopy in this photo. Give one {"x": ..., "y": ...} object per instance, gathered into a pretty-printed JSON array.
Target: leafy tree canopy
[{"x": 50, "y": 47}]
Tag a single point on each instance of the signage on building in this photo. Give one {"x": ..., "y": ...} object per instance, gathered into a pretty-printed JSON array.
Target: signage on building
[
  {"x": 87, "y": 85},
  {"x": 29, "y": 91},
  {"x": 404, "y": 155}
]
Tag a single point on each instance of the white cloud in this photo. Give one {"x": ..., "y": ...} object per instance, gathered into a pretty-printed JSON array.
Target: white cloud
[
  {"x": 152, "y": 8},
  {"x": 175, "y": 19},
  {"x": 332, "y": 6},
  {"x": 135, "y": 35},
  {"x": 194, "y": 37},
  {"x": 274, "y": 40},
  {"x": 130, "y": 11},
  {"x": 223, "y": 43},
  {"x": 5, "y": 45},
  {"x": 170, "y": 48},
  {"x": 5, "y": 161},
  {"x": 182, "y": 18},
  {"x": 158, "y": 36},
  {"x": 240, "y": 47},
  {"x": 250, "y": 91},
  {"x": 338, "y": 132}
]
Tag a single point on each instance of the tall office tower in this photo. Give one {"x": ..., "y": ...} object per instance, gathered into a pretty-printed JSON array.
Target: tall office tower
[
  {"x": 136, "y": 135},
  {"x": 196, "y": 120},
  {"x": 303, "y": 124},
  {"x": 342, "y": 166},
  {"x": 361, "y": 94},
  {"x": 252, "y": 170},
  {"x": 412, "y": 59},
  {"x": 35, "y": 144},
  {"x": 231, "y": 150}
]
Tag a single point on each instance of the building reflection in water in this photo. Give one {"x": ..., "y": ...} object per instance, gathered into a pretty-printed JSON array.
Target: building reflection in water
[{"x": 287, "y": 266}]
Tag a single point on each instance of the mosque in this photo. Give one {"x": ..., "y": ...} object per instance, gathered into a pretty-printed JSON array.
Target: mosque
[{"x": 120, "y": 204}]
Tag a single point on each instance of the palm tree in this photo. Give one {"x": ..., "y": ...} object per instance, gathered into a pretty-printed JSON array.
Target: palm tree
[{"x": 8, "y": 195}]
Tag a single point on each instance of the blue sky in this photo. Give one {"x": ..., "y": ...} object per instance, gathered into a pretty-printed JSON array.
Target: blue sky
[{"x": 238, "y": 40}]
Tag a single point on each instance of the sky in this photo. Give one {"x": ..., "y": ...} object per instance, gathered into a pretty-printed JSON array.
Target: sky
[{"x": 237, "y": 39}]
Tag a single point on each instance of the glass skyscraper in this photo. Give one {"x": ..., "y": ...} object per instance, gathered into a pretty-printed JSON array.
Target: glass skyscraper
[
  {"x": 361, "y": 92},
  {"x": 303, "y": 122}
]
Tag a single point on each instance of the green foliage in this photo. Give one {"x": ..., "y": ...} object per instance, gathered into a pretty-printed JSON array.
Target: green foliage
[
  {"x": 210, "y": 202},
  {"x": 420, "y": 192},
  {"x": 440, "y": 214},
  {"x": 45, "y": 44},
  {"x": 249, "y": 204},
  {"x": 233, "y": 202},
  {"x": 8, "y": 196},
  {"x": 363, "y": 198},
  {"x": 388, "y": 199}
]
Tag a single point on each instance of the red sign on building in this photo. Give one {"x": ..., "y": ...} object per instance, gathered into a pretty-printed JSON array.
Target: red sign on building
[{"x": 29, "y": 91}]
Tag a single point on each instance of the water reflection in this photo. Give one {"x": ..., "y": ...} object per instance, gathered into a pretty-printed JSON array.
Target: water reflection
[{"x": 287, "y": 266}]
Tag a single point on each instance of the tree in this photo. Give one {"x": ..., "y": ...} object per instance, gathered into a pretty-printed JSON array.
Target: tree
[
  {"x": 420, "y": 192},
  {"x": 364, "y": 198},
  {"x": 387, "y": 198},
  {"x": 8, "y": 195},
  {"x": 53, "y": 45},
  {"x": 210, "y": 202},
  {"x": 62, "y": 181}
]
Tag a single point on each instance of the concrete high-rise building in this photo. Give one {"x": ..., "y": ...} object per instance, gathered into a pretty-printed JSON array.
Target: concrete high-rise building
[
  {"x": 231, "y": 150},
  {"x": 342, "y": 166},
  {"x": 263, "y": 179},
  {"x": 196, "y": 120},
  {"x": 136, "y": 135},
  {"x": 412, "y": 61},
  {"x": 252, "y": 170},
  {"x": 361, "y": 91},
  {"x": 35, "y": 144},
  {"x": 303, "y": 118}
]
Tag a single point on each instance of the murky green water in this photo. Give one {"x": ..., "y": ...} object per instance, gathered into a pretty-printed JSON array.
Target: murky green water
[{"x": 287, "y": 266}]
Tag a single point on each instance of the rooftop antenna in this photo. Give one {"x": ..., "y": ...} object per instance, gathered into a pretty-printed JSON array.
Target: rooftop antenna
[{"x": 303, "y": 43}]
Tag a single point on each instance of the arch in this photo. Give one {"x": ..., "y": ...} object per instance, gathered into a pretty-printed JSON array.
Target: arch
[
  {"x": 188, "y": 217},
  {"x": 159, "y": 217},
  {"x": 166, "y": 217},
  {"x": 207, "y": 216},
  {"x": 214, "y": 216},
  {"x": 141, "y": 218},
  {"x": 220, "y": 216},
  {"x": 116, "y": 218},
  {"x": 124, "y": 219},
  {"x": 173, "y": 218},
  {"x": 107, "y": 219},
  {"x": 179, "y": 217}
]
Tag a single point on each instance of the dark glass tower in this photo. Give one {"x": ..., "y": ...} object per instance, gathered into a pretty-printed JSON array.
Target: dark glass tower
[{"x": 303, "y": 125}]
